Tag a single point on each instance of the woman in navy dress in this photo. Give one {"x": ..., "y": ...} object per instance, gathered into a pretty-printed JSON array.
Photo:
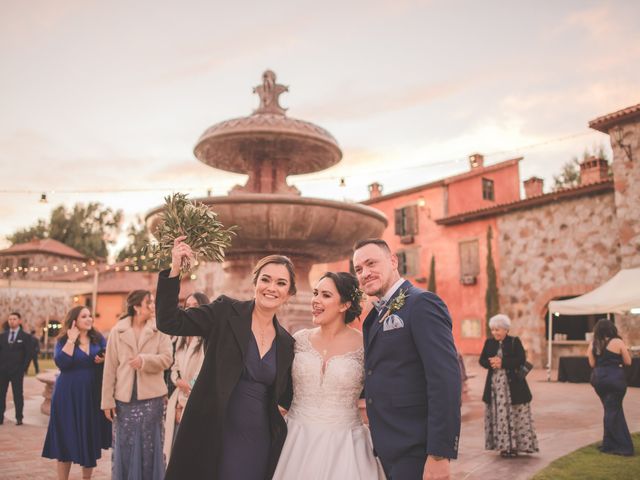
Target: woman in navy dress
[
  {"x": 231, "y": 428},
  {"x": 77, "y": 429},
  {"x": 607, "y": 355}
]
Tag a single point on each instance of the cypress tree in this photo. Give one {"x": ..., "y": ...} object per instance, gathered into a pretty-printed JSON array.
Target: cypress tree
[
  {"x": 432, "y": 275},
  {"x": 491, "y": 298}
]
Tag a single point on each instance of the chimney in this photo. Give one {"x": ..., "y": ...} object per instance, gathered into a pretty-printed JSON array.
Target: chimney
[
  {"x": 533, "y": 187},
  {"x": 476, "y": 160},
  {"x": 375, "y": 190},
  {"x": 593, "y": 169}
]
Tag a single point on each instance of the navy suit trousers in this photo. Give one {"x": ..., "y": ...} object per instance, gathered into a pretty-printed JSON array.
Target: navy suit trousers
[{"x": 405, "y": 468}]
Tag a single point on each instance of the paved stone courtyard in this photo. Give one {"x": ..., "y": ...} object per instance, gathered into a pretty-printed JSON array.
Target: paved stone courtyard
[{"x": 567, "y": 416}]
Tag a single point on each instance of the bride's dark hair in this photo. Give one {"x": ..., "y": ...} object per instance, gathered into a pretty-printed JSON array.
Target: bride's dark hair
[{"x": 347, "y": 286}]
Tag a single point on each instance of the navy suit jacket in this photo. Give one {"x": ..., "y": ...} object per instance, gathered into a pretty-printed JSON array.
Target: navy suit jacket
[
  {"x": 15, "y": 357},
  {"x": 412, "y": 382}
]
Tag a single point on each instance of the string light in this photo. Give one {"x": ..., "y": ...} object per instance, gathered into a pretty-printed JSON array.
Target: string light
[{"x": 331, "y": 178}]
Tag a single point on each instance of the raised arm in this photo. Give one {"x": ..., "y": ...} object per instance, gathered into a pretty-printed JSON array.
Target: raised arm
[
  {"x": 431, "y": 331},
  {"x": 61, "y": 357},
  {"x": 171, "y": 319}
]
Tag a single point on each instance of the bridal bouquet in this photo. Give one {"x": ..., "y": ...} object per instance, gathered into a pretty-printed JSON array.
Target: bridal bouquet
[{"x": 207, "y": 237}]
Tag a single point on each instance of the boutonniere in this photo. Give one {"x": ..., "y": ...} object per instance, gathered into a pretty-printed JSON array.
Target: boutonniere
[{"x": 396, "y": 304}]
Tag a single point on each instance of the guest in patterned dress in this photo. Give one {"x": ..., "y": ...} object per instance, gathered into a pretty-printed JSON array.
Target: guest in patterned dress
[
  {"x": 133, "y": 390},
  {"x": 508, "y": 424}
]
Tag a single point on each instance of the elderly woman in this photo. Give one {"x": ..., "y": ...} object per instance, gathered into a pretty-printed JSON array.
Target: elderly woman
[{"x": 508, "y": 422}]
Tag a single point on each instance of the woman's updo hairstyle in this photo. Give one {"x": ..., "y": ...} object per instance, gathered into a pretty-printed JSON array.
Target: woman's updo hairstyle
[
  {"x": 347, "y": 286},
  {"x": 134, "y": 299}
]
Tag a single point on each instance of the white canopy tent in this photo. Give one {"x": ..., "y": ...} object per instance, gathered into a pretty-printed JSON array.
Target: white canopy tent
[{"x": 619, "y": 294}]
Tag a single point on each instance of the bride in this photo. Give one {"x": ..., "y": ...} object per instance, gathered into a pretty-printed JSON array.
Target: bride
[{"x": 326, "y": 438}]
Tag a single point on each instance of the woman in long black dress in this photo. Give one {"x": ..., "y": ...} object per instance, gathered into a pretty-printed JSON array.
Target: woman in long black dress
[
  {"x": 231, "y": 428},
  {"x": 607, "y": 354}
]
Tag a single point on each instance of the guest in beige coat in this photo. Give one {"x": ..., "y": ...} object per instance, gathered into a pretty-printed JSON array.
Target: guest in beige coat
[
  {"x": 133, "y": 390},
  {"x": 186, "y": 366}
]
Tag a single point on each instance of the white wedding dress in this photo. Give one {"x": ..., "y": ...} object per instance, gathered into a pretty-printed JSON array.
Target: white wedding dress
[{"x": 326, "y": 438}]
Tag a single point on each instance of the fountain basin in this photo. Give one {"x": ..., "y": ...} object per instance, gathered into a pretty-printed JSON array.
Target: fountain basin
[
  {"x": 321, "y": 230},
  {"x": 236, "y": 145}
]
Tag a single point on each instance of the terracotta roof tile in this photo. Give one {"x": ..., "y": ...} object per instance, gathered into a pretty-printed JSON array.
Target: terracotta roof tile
[
  {"x": 537, "y": 200},
  {"x": 47, "y": 245},
  {"x": 604, "y": 123}
]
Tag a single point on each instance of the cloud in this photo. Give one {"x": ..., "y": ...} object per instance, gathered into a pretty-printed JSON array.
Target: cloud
[
  {"x": 383, "y": 101},
  {"x": 597, "y": 22},
  {"x": 187, "y": 169},
  {"x": 24, "y": 21},
  {"x": 254, "y": 42},
  {"x": 599, "y": 95}
]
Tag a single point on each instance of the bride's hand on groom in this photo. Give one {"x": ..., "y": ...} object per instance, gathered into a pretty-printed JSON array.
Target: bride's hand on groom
[{"x": 179, "y": 252}]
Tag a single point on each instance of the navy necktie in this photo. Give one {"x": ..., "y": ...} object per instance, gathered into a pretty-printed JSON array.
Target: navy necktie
[{"x": 12, "y": 337}]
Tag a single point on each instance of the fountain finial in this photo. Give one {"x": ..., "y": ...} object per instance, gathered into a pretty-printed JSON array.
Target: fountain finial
[{"x": 269, "y": 93}]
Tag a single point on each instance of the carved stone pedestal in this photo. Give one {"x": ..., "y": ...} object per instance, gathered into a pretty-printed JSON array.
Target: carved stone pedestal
[{"x": 49, "y": 380}]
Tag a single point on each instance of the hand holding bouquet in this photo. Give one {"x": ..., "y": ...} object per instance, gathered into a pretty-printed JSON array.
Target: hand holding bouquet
[{"x": 197, "y": 226}]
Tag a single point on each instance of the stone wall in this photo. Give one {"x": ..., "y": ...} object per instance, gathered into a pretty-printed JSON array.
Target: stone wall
[
  {"x": 54, "y": 266},
  {"x": 564, "y": 248},
  {"x": 36, "y": 306},
  {"x": 626, "y": 173}
]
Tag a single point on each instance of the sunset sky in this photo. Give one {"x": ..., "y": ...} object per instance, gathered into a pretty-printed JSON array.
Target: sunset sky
[{"x": 104, "y": 101}]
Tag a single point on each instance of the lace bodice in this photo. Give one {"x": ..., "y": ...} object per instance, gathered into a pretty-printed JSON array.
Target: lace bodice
[{"x": 326, "y": 393}]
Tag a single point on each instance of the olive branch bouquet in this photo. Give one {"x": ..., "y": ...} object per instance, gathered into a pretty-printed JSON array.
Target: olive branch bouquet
[{"x": 207, "y": 237}]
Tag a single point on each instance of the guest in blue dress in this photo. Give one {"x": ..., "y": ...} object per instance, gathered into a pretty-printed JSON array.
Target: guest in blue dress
[
  {"x": 231, "y": 427},
  {"x": 607, "y": 355},
  {"x": 77, "y": 428}
]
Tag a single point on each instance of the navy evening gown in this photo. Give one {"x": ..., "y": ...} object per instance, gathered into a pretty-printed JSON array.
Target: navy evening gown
[
  {"x": 247, "y": 437},
  {"x": 610, "y": 384}
]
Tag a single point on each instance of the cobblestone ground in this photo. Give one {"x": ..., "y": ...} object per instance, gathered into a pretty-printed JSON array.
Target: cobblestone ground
[
  {"x": 21, "y": 446},
  {"x": 567, "y": 416}
]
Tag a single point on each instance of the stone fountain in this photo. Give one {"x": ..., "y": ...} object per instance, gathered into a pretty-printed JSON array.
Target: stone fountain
[{"x": 272, "y": 216}]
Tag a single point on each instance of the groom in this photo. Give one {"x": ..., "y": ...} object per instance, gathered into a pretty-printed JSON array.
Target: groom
[{"x": 412, "y": 375}]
